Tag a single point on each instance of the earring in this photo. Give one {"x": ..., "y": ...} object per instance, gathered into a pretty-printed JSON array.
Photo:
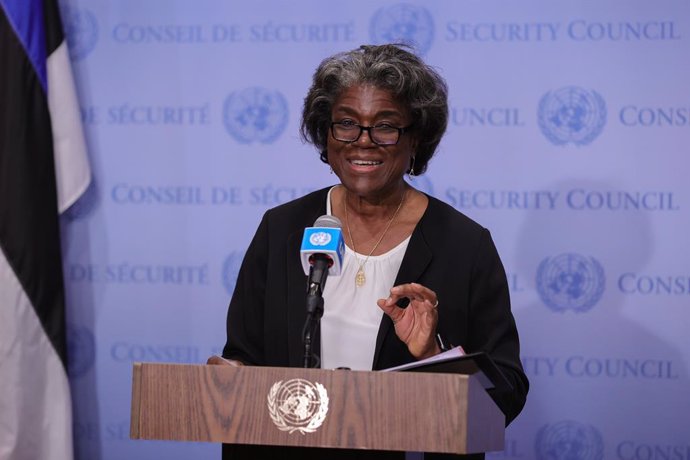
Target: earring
[
  {"x": 330, "y": 170},
  {"x": 411, "y": 173}
]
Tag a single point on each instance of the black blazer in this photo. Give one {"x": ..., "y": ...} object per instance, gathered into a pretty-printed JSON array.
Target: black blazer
[{"x": 448, "y": 253}]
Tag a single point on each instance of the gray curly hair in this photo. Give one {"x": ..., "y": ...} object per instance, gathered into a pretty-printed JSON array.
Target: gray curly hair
[{"x": 415, "y": 85}]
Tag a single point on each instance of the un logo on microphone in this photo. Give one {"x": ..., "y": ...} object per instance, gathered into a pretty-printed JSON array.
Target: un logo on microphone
[
  {"x": 81, "y": 350},
  {"x": 231, "y": 268},
  {"x": 568, "y": 440},
  {"x": 403, "y": 23},
  {"x": 255, "y": 115},
  {"x": 320, "y": 238},
  {"x": 81, "y": 31},
  {"x": 570, "y": 282},
  {"x": 572, "y": 115}
]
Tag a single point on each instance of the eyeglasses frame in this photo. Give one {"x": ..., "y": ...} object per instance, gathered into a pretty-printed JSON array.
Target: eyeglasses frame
[{"x": 401, "y": 131}]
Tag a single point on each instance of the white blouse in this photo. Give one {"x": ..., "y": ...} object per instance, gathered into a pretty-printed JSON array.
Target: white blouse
[{"x": 351, "y": 318}]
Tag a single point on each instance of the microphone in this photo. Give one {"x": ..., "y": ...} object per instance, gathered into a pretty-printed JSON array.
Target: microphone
[
  {"x": 322, "y": 251},
  {"x": 322, "y": 255}
]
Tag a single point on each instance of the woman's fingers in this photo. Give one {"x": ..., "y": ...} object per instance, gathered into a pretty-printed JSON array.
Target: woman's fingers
[
  {"x": 416, "y": 324},
  {"x": 414, "y": 292}
]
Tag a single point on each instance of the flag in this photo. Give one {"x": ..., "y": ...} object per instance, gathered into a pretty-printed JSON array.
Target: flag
[{"x": 43, "y": 170}]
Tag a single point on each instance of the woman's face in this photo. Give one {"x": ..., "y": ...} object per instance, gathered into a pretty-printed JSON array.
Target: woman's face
[{"x": 365, "y": 168}]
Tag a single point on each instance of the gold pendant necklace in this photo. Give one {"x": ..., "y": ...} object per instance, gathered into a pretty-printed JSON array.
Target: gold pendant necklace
[{"x": 360, "y": 277}]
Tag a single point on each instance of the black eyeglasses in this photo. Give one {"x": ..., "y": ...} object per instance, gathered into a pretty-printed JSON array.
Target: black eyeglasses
[{"x": 379, "y": 135}]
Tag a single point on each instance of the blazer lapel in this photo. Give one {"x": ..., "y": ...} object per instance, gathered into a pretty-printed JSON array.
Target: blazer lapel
[{"x": 417, "y": 258}]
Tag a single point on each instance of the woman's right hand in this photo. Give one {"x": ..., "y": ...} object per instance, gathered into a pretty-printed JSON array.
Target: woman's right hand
[
  {"x": 415, "y": 325},
  {"x": 219, "y": 360}
]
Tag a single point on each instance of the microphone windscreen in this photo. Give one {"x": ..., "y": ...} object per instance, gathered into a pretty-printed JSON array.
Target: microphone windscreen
[{"x": 328, "y": 221}]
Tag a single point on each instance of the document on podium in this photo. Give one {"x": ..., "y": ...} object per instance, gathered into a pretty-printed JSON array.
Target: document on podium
[{"x": 456, "y": 361}]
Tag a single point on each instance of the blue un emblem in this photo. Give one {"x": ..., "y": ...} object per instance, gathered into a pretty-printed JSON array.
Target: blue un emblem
[
  {"x": 572, "y": 115},
  {"x": 81, "y": 350},
  {"x": 569, "y": 440},
  {"x": 81, "y": 31},
  {"x": 403, "y": 23},
  {"x": 570, "y": 282},
  {"x": 231, "y": 268},
  {"x": 255, "y": 114}
]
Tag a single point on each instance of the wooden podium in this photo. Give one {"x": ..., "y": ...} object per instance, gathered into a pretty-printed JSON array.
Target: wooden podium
[{"x": 398, "y": 411}]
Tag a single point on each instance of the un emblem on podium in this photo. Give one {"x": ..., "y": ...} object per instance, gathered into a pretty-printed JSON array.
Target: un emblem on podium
[
  {"x": 570, "y": 282},
  {"x": 297, "y": 405},
  {"x": 255, "y": 115},
  {"x": 403, "y": 23},
  {"x": 572, "y": 115},
  {"x": 569, "y": 440},
  {"x": 81, "y": 31}
]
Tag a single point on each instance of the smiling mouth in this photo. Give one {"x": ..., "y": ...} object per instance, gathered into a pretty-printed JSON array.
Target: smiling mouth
[{"x": 366, "y": 162}]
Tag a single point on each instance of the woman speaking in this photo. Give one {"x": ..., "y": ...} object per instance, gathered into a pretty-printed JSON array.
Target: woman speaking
[{"x": 414, "y": 268}]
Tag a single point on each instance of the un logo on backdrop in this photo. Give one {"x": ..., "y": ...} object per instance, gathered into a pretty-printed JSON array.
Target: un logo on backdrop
[
  {"x": 255, "y": 115},
  {"x": 403, "y": 23},
  {"x": 231, "y": 267},
  {"x": 81, "y": 350},
  {"x": 570, "y": 282},
  {"x": 572, "y": 115},
  {"x": 81, "y": 31},
  {"x": 569, "y": 440}
]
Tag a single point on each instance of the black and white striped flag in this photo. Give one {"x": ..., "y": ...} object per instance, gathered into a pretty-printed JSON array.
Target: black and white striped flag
[{"x": 43, "y": 170}]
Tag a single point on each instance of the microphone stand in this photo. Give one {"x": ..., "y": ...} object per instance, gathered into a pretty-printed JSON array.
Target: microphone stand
[{"x": 317, "y": 281}]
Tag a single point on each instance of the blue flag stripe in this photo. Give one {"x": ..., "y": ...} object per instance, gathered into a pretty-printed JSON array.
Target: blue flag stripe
[{"x": 26, "y": 18}]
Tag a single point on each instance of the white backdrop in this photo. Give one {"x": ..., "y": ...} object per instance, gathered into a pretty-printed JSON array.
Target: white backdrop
[{"x": 568, "y": 139}]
